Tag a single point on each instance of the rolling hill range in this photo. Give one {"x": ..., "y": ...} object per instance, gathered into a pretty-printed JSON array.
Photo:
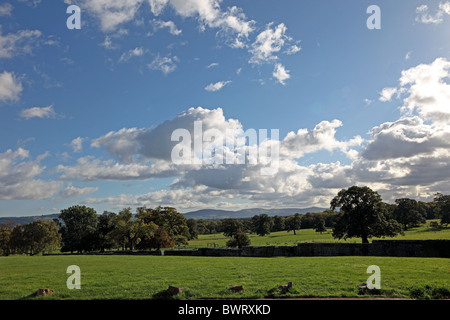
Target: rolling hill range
[
  {"x": 208, "y": 214},
  {"x": 247, "y": 213}
]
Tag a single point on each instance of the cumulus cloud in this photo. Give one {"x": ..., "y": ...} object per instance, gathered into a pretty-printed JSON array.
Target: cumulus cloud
[
  {"x": 136, "y": 52},
  {"x": 10, "y": 87},
  {"x": 424, "y": 16},
  {"x": 145, "y": 153},
  {"x": 91, "y": 169},
  {"x": 216, "y": 86},
  {"x": 170, "y": 25},
  {"x": 164, "y": 64},
  {"x": 21, "y": 42},
  {"x": 410, "y": 156},
  {"x": 387, "y": 93},
  {"x": 322, "y": 137},
  {"x": 77, "y": 144},
  {"x": 38, "y": 112},
  {"x": 72, "y": 191},
  {"x": 18, "y": 177},
  {"x": 405, "y": 138},
  {"x": 281, "y": 74},
  {"x": 6, "y": 9},
  {"x": 406, "y": 157},
  {"x": 268, "y": 43},
  {"x": 112, "y": 13},
  {"x": 425, "y": 90}
]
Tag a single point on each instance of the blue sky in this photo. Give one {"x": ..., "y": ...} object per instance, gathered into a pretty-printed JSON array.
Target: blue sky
[{"x": 86, "y": 115}]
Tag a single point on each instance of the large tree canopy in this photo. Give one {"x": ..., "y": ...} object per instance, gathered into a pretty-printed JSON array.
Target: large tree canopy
[{"x": 362, "y": 214}]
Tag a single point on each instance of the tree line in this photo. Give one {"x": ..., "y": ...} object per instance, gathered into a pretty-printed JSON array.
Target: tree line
[{"x": 361, "y": 213}]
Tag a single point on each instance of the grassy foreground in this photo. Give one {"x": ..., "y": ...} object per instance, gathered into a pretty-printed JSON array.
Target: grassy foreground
[{"x": 146, "y": 277}]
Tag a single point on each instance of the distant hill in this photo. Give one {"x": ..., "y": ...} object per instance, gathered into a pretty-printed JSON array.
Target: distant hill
[
  {"x": 207, "y": 214},
  {"x": 25, "y": 220},
  {"x": 212, "y": 214}
]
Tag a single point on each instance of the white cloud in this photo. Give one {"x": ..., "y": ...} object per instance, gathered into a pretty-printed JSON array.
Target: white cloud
[
  {"x": 212, "y": 87},
  {"x": 408, "y": 55},
  {"x": 164, "y": 64},
  {"x": 322, "y": 137},
  {"x": 423, "y": 15},
  {"x": 77, "y": 144},
  {"x": 426, "y": 91},
  {"x": 231, "y": 23},
  {"x": 387, "y": 94},
  {"x": 38, "y": 112},
  {"x": 6, "y": 9},
  {"x": 18, "y": 177},
  {"x": 170, "y": 25},
  {"x": 157, "y": 6},
  {"x": 10, "y": 87},
  {"x": 406, "y": 138},
  {"x": 293, "y": 49},
  {"x": 90, "y": 169},
  {"x": 212, "y": 65},
  {"x": 406, "y": 157},
  {"x": 281, "y": 74},
  {"x": 268, "y": 43},
  {"x": 136, "y": 52},
  {"x": 72, "y": 191},
  {"x": 21, "y": 42},
  {"x": 112, "y": 13}
]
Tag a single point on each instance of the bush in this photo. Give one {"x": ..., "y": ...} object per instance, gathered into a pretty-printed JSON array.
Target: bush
[{"x": 239, "y": 240}]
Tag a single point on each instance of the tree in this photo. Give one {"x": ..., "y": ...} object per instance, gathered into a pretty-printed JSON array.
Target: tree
[
  {"x": 320, "y": 226},
  {"x": 40, "y": 236},
  {"x": 294, "y": 222},
  {"x": 78, "y": 225},
  {"x": 261, "y": 224},
  {"x": 239, "y": 240},
  {"x": 231, "y": 226},
  {"x": 409, "y": 213},
  {"x": 278, "y": 223},
  {"x": 105, "y": 227},
  {"x": 442, "y": 207},
  {"x": 161, "y": 239},
  {"x": 168, "y": 217},
  {"x": 35, "y": 237},
  {"x": 193, "y": 229},
  {"x": 362, "y": 214},
  {"x": 126, "y": 230},
  {"x": 5, "y": 237}
]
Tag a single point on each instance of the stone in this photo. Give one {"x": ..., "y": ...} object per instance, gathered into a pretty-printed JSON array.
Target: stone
[
  {"x": 174, "y": 290},
  {"x": 236, "y": 288},
  {"x": 44, "y": 292},
  {"x": 285, "y": 287}
]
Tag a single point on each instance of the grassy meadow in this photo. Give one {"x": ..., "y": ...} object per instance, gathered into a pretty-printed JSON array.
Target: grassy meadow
[
  {"x": 147, "y": 277},
  {"x": 284, "y": 238}
]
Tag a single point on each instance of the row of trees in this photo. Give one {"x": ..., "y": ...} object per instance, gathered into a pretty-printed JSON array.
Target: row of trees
[
  {"x": 362, "y": 213},
  {"x": 79, "y": 229}
]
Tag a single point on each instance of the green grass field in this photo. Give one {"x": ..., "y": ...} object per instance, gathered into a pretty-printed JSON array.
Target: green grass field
[
  {"x": 284, "y": 238},
  {"x": 146, "y": 277}
]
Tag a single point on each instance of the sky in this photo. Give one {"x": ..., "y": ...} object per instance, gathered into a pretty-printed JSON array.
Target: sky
[{"x": 336, "y": 95}]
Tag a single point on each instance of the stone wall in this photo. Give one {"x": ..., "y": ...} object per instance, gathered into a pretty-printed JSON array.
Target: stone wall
[{"x": 394, "y": 248}]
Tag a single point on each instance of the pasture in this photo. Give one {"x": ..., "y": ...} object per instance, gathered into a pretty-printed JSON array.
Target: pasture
[{"x": 146, "y": 277}]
